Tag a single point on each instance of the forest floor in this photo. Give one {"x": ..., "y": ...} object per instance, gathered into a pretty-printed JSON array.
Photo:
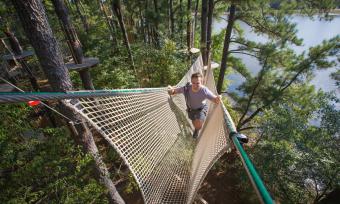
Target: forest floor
[{"x": 222, "y": 185}]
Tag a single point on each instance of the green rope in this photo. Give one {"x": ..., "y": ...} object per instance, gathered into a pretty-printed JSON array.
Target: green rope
[
  {"x": 88, "y": 92},
  {"x": 14, "y": 97}
]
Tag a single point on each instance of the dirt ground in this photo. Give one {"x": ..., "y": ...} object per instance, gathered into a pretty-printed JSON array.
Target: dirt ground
[{"x": 222, "y": 185}]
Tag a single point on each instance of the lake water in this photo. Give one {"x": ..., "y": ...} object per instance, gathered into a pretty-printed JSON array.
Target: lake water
[{"x": 312, "y": 31}]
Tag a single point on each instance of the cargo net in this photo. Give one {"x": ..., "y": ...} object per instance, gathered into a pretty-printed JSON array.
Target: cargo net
[{"x": 153, "y": 135}]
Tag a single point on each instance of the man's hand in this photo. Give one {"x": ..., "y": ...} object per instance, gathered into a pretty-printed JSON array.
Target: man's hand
[
  {"x": 217, "y": 100},
  {"x": 171, "y": 90}
]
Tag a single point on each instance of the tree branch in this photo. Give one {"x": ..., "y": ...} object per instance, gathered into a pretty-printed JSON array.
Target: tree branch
[
  {"x": 241, "y": 43},
  {"x": 305, "y": 62},
  {"x": 247, "y": 128},
  {"x": 244, "y": 53},
  {"x": 262, "y": 73}
]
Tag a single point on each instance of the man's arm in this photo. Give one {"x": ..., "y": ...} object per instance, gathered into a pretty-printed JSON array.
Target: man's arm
[
  {"x": 212, "y": 97},
  {"x": 174, "y": 90}
]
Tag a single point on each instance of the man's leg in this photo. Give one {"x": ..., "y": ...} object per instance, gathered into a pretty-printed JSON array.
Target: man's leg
[
  {"x": 198, "y": 120},
  {"x": 198, "y": 125}
]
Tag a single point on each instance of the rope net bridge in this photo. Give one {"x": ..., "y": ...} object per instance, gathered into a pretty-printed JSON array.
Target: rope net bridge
[{"x": 152, "y": 133}]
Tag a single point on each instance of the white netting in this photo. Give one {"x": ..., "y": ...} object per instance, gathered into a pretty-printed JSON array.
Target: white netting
[{"x": 153, "y": 135}]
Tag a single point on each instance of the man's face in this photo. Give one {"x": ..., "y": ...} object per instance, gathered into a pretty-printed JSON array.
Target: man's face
[{"x": 196, "y": 83}]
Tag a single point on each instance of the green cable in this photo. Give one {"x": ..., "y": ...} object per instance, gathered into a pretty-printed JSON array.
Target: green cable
[
  {"x": 14, "y": 97},
  {"x": 254, "y": 176},
  {"x": 87, "y": 92},
  {"x": 265, "y": 196}
]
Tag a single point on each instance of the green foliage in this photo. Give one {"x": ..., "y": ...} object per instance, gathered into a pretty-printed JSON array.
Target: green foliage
[
  {"x": 159, "y": 68},
  {"x": 43, "y": 166},
  {"x": 298, "y": 152},
  {"x": 336, "y": 76},
  {"x": 263, "y": 19},
  {"x": 282, "y": 69},
  {"x": 132, "y": 185}
]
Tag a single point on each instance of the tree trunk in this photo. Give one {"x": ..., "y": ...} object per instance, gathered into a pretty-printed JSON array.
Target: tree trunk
[
  {"x": 17, "y": 50},
  {"x": 189, "y": 26},
  {"x": 195, "y": 23},
  {"x": 209, "y": 27},
  {"x": 156, "y": 31},
  {"x": 147, "y": 24},
  {"x": 171, "y": 18},
  {"x": 109, "y": 23},
  {"x": 259, "y": 80},
  {"x": 116, "y": 7},
  {"x": 38, "y": 31},
  {"x": 142, "y": 23},
  {"x": 225, "y": 53},
  {"x": 69, "y": 30},
  {"x": 13, "y": 42},
  {"x": 82, "y": 16},
  {"x": 204, "y": 31},
  {"x": 73, "y": 41},
  {"x": 181, "y": 22}
]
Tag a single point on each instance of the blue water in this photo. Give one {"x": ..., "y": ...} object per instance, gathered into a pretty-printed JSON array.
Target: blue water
[{"x": 312, "y": 31}]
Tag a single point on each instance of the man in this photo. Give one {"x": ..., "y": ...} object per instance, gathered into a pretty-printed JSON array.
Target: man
[{"x": 195, "y": 96}]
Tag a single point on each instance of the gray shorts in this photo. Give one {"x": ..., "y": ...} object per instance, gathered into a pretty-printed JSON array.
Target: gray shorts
[{"x": 199, "y": 114}]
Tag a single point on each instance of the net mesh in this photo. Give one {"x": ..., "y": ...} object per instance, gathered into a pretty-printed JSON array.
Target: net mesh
[{"x": 152, "y": 133}]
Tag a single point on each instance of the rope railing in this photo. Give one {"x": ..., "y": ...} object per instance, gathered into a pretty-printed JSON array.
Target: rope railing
[
  {"x": 15, "y": 97},
  {"x": 254, "y": 177}
]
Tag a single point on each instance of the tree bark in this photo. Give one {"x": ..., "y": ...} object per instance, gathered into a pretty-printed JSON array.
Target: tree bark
[
  {"x": 171, "y": 18},
  {"x": 156, "y": 31},
  {"x": 109, "y": 23},
  {"x": 73, "y": 41},
  {"x": 69, "y": 30},
  {"x": 116, "y": 7},
  {"x": 209, "y": 27},
  {"x": 142, "y": 23},
  {"x": 280, "y": 92},
  {"x": 38, "y": 31},
  {"x": 204, "y": 31},
  {"x": 259, "y": 80},
  {"x": 225, "y": 53},
  {"x": 180, "y": 27},
  {"x": 147, "y": 23},
  {"x": 13, "y": 41},
  {"x": 17, "y": 50},
  {"x": 189, "y": 26},
  {"x": 82, "y": 17},
  {"x": 195, "y": 23}
]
